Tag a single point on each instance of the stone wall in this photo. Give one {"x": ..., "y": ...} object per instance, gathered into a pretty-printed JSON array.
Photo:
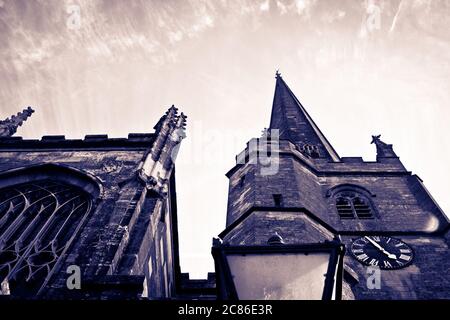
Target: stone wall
[
  {"x": 401, "y": 207},
  {"x": 129, "y": 226}
]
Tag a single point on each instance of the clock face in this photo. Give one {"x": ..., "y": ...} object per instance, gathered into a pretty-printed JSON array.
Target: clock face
[{"x": 382, "y": 252}]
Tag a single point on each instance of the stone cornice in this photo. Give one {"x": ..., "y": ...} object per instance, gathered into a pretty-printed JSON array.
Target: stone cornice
[{"x": 134, "y": 141}]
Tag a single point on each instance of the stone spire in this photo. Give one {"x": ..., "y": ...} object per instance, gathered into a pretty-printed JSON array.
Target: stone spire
[
  {"x": 295, "y": 124},
  {"x": 9, "y": 126}
]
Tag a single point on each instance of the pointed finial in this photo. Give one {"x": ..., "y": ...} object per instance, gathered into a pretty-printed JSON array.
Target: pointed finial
[
  {"x": 384, "y": 150},
  {"x": 179, "y": 132},
  {"x": 376, "y": 138},
  {"x": 182, "y": 121},
  {"x": 277, "y": 74},
  {"x": 172, "y": 111},
  {"x": 9, "y": 126},
  {"x": 169, "y": 118},
  {"x": 265, "y": 133}
]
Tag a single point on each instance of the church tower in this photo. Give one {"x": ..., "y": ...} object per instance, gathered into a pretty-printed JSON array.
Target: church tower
[{"x": 291, "y": 182}]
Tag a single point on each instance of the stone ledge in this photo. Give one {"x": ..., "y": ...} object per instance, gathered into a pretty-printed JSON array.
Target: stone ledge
[{"x": 134, "y": 140}]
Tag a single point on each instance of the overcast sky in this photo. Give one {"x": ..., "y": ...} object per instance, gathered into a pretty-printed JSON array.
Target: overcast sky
[{"x": 359, "y": 67}]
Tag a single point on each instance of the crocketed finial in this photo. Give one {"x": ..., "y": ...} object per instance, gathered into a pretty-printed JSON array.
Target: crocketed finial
[{"x": 9, "y": 126}]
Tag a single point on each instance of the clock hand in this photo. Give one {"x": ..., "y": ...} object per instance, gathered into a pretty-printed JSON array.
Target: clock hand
[
  {"x": 390, "y": 255},
  {"x": 376, "y": 245}
]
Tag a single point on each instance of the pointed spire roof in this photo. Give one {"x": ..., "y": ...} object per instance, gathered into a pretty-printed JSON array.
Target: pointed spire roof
[{"x": 295, "y": 124}]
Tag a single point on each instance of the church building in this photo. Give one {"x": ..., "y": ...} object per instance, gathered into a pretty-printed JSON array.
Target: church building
[
  {"x": 96, "y": 218},
  {"x": 93, "y": 218},
  {"x": 307, "y": 193}
]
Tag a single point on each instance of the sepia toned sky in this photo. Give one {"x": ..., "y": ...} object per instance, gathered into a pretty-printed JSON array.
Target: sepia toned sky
[{"x": 359, "y": 67}]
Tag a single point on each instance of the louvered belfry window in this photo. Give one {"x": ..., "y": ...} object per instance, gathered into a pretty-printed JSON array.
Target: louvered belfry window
[
  {"x": 37, "y": 222},
  {"x": 353, "y": 205}
]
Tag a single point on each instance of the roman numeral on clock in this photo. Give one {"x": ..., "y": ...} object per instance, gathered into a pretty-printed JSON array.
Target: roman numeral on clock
[
  {"x": 363, "y": 257},
  {"x": 387, "y": 264},
  {"x": 373, "y": 262},
  {"x": 359, "y": 244},
  {"x": 405, "y": 257}
]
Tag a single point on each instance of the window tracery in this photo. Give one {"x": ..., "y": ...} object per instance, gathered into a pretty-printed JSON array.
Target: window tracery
[{"x": 37, "y": 222}]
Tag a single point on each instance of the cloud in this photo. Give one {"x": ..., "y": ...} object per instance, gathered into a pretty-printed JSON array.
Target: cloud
[
  {"x": 282, "y": 7},
  {"x": 301, "y": 6},
  {"x": 333, "y": 16},
  {"x": 304, "y": 7},
  {"x": 265, "y": 6},
  {"x": 200, "y": 25},
  {"x": 175, "y": 36}
]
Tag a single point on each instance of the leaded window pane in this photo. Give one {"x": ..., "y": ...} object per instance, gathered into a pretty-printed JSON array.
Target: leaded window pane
[{"x": 37, "y": 222}]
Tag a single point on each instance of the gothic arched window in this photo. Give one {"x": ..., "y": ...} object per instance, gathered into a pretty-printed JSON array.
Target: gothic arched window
[
  {"x": 351, "y": 204},
  {"x": 38, "y": 220}
]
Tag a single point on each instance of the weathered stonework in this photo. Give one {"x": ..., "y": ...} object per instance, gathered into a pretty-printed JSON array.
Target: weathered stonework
[
  {"x": 307, "y": 184},
  {"x": 127, "y": 246}
]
